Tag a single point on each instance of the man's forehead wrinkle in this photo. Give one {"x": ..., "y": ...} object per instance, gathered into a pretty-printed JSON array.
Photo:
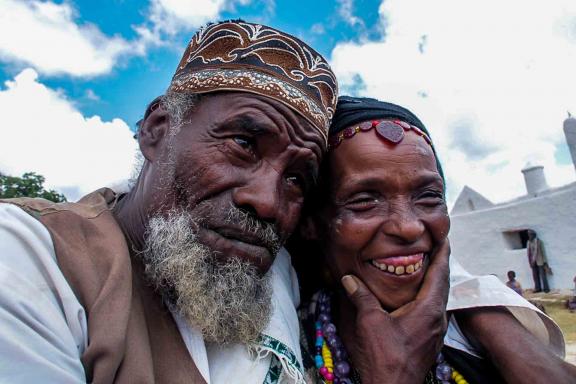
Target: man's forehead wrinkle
[
  {"x": 306, "y": 138},
  {"x": 249, "y": 123},
  {"x": 288, "y": 115},
  {"x": 297, "y": 129}
]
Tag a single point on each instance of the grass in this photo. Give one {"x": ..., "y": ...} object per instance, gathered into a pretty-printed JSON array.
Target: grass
[
  {"x": 555, "y": 305},
  {"x": 565, "y": 319}
]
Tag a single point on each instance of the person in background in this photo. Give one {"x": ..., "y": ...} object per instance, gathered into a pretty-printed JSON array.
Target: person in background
[
  {"x": 571, "y": 302},
  {"x": 538, "y": 262},
  {"x": 513, "y": 284}
]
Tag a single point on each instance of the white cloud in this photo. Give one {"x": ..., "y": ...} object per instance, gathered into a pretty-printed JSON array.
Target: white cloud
[
  {"x": 497, "y": 79},
  {"x": 318, "y": 29},
  {"x": 346, "y": 12},
  {"x": 172, "y": 16},
  {"x": 45, "y": 35},
  {"x": 42, "y": 132}
]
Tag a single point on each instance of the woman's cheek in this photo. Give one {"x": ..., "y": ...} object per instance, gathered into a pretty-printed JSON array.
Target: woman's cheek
[{"x": 439, "y": 226}]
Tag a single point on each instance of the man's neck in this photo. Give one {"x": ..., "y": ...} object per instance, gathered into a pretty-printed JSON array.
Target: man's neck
[{"x": 130, "y": 216}]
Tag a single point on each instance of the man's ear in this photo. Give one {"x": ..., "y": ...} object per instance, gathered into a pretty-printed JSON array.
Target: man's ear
[{"x": 153, "y": 130}]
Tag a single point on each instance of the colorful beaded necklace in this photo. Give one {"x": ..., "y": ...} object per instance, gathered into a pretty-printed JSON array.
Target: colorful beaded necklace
[
  {"x": 331, "y": 358},
  {"x": 390, "y": 130}
]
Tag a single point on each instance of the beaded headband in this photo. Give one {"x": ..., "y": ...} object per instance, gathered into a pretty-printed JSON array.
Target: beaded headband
[{"x": 390, "y": 130}]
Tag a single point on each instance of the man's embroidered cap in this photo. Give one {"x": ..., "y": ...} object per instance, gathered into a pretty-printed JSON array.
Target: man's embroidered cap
[{"x": 241, "y": 56}]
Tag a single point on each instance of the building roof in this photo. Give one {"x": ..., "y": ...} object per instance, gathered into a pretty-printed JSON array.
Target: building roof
[{"x": 469, "y": 200}]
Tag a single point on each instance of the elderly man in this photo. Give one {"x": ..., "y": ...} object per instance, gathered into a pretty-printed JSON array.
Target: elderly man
[{"x": 169, "y": 282}]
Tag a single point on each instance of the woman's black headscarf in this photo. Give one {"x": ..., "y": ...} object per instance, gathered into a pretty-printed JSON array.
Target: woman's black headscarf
[{"x": 353, "y": 110}]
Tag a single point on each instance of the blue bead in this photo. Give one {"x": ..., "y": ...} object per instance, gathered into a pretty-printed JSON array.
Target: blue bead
[
  {"x": 319, "y": 362},
  {"x": 443, "y": 372}
]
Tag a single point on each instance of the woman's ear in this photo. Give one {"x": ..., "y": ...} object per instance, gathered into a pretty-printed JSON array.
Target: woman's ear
[{"x": 153, "y": 130}]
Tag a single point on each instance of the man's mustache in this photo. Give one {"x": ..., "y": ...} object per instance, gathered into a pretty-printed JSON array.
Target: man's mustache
[{"x": 256, "y": 230}]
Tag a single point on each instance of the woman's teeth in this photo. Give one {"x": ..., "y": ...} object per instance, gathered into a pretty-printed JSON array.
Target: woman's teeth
[{"x": 400, "y": 269}]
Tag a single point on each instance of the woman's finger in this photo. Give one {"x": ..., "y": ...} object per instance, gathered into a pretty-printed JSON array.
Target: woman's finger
[
  {"x": 436, "y": 284},
  {"x": 362, "y": 298}
]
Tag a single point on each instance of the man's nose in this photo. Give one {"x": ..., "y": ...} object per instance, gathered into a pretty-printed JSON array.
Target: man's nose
[
  {"x": 403, "y": 224},
  {"x": 260, "y": 195}
]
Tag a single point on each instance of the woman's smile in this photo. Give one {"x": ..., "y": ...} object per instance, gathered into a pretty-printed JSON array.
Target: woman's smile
[{"x": 400, "y": 265}]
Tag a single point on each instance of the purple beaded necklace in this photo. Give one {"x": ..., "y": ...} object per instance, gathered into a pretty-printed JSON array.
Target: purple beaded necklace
[{"x": 331, "y": 358}]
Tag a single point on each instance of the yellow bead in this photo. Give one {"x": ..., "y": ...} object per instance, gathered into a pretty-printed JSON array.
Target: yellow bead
[{"x": 458, "y": 378}]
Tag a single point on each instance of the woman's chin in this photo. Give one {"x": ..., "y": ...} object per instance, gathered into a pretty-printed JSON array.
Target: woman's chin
[{"x": 393, "y": 290}]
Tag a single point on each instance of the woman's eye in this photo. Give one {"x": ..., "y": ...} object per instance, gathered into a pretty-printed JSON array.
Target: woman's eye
[
  {"x": 362, "y": 204},
  {"x": 431, "y": 198}
]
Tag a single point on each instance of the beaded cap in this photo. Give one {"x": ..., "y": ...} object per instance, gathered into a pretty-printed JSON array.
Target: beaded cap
[{"x": 241, "y": 56}]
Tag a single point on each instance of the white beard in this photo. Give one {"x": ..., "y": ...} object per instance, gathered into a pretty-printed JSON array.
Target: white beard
[{"x": 228, "y": 301}]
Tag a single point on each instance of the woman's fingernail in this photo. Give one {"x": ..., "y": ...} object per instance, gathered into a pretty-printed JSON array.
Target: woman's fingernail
[{"x": 350, "y": 284}]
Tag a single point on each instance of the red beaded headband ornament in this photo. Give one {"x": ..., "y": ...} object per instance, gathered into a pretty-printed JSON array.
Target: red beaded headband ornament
[{"x": 390, "y": 130}]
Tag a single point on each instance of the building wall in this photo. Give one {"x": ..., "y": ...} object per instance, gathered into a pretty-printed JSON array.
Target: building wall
[{"x": 478, "y": 242}]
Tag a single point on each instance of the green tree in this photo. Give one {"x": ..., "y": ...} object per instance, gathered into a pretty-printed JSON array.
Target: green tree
[{"x": 29, "y": 185}]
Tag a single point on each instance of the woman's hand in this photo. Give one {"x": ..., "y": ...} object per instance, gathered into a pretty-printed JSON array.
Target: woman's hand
[{"x": 400, "y": 346}]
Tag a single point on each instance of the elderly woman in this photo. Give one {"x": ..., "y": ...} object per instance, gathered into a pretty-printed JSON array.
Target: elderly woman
[{"x": 375, "y": 253}]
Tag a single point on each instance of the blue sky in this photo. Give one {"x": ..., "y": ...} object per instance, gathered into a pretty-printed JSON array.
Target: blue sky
[
  {"x": 492, "y": 80},
  {"x": 134, "y": 81}
]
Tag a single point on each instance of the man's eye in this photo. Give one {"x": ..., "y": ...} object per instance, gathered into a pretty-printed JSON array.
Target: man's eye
[
  {"x": 297, "y": 181},
  {"x": 244, "y": 142}
]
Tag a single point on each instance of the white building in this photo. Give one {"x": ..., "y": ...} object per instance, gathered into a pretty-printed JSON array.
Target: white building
[{"x": 491, "y": 238}]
